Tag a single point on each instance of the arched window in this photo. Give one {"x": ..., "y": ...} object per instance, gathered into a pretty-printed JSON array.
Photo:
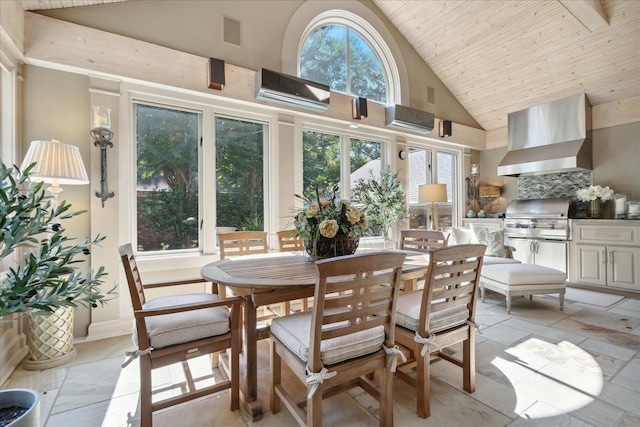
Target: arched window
[{"x": 342, "y": 50}]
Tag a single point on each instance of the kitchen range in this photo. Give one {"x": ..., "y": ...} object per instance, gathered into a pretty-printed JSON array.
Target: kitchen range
[{"x": 539, "y": 230}]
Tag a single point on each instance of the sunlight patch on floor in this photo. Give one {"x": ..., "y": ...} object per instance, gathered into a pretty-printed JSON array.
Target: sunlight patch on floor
[{"x": 562, "y": 376}]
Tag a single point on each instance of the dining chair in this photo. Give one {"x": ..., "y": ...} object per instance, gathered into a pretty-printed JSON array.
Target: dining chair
[
  {"x": 440, "y": 316},
  {"x": 241, "y": 243},
  {"x": 346, "y": 338},
  {"x": 173, "y": 329},
  {"x": 422, "y": 240},
  {"x": 291, "y": 241}
]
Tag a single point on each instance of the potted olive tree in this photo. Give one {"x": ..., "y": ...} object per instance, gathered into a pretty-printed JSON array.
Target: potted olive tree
[
  {"x": 42, "y": 279},
  {"x": 383, "y": 200}
]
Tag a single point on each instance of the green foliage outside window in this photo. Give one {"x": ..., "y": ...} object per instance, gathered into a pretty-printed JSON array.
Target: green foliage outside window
[{"x": 339, "y": 57}]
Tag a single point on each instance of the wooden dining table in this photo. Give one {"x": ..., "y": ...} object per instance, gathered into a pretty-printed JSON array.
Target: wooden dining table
[{"x": 274, "y": 278}]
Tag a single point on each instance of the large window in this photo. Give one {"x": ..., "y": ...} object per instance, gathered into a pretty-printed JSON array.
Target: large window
[
  {"x": 167, "y": 178},
  {"x": 338, "y": 56},
  {"x": 239, "y": 174}
]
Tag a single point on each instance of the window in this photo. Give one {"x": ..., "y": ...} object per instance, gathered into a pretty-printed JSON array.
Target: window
[
  {"x": 424, "y": 170},
  {"x": 323, "y": 165},
  {"x": 167, "y": 178},
  {"x": 340, "y": 57},
  {"x": 320, "y": 161},
  {"x": 239, "y": 174}
]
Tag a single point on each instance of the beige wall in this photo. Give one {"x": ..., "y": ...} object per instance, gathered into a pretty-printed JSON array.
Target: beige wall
[
  {"x": 56, "y": 105},
  {"x": 195, "y": 27}
]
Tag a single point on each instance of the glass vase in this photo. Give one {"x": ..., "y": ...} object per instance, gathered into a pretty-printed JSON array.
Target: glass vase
[{"x": 595, "y": 209}]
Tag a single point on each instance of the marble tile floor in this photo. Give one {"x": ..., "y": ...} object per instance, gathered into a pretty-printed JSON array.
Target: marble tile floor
[{"x": 537, "y": 366}]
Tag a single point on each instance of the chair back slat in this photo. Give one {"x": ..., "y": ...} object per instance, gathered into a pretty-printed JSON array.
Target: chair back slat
[
  {"x": 370, "y": 282},
  {"x": 451, "y": 280},
  {"x": 290, "y": 241},
  {"x": 242, "y": 243},
  {"x": 132, "y": 274},
  {"x": 422, "y": 240}
]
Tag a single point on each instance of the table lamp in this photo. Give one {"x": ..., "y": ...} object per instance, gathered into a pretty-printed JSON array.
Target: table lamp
[
  {"x": 56, "y": 163},
  {"x": 432, "y": 193}
]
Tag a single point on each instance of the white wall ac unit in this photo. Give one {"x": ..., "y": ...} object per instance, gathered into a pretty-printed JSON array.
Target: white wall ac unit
[
  {"x": 408, "y": 119},
  {"x": 280, "y": 88}
]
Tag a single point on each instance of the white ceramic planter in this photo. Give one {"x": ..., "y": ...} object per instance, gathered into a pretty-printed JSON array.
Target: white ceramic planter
[{"x": 25, "y": 398}]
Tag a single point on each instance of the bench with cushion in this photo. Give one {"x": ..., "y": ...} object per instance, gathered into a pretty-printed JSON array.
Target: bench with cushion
[{"x": 522, "y": 279}]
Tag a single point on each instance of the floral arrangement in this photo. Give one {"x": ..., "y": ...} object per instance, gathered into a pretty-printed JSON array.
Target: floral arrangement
[
  {"x": 328, "y": 218},
  {"x": 594, "y": 192}
]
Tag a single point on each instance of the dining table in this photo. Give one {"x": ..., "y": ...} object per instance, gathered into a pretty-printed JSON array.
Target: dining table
[{"x": 274, "y": 278}]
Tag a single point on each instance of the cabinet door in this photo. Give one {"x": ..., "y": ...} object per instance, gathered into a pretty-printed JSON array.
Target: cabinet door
[
  {"x": 551, "y": 254},
  {"x": 623, "y": 267},
  {"x": 591, "y": 267},
  {"x": 523, "y": 249}
]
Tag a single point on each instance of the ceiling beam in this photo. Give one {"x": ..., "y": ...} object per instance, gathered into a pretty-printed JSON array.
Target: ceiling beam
[{"x": 588, "y": 12}]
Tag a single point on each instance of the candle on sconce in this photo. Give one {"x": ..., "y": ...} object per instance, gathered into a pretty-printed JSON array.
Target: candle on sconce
[
  {"x": 101, "y": 118},
  {"x": 474, "y": 169}
]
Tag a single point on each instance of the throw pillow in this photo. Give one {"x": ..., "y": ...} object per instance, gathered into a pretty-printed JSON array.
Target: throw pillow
[
  {"x": 461, "y": 236},
  {"x": 493, "y": 240}
]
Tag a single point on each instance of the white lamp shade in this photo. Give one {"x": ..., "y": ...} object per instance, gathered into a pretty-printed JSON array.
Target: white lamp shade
[
  {"x": 432, "y": 193},
  {"x": 56, "y": 163}
]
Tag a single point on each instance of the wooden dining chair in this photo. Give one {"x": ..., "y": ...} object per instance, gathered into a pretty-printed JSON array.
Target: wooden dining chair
[
  {"x": 422, "y": 240},
  {"x": 439, "y": 316},
  {"x": 291, "y": 241},
  {"x": 344, "y": 339},
  {"x": 174, "y": 329}
]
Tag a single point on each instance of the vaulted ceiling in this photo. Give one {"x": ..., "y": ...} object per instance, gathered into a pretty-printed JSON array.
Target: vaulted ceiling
[{"x": 501, "y": 56}]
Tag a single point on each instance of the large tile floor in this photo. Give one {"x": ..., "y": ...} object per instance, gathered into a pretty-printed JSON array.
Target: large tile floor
[{"x": 536, "y": 366}]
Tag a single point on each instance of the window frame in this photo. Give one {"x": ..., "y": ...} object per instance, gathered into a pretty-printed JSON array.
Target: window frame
[{"x": 206, "y": 156}]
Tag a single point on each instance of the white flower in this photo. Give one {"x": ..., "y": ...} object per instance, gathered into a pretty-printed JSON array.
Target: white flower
[{"x": 593, "y": 192}]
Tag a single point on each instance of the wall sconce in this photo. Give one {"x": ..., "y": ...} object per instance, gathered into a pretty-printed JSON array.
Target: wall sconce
[
  {"x": 359, "y": 108},
  {"x": 216, "y": 74},
  {"x": 102, "y": 135},
  {"x": 432, "y": 193},
  {"x": 444, "y": 128}
]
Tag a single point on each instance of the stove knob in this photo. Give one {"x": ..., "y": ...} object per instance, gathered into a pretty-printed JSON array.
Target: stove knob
[
  {"x": 533, "y": 226},
  {"x": 552, "y": 227}
]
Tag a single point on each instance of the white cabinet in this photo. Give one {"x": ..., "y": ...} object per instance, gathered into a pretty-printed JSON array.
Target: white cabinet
[
  {"x": 548, "y": 253},
  {"x": 606, "y": 254}
]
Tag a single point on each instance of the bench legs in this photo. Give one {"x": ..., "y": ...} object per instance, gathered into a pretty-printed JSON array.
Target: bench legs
[{"x": 513, "y": 291}]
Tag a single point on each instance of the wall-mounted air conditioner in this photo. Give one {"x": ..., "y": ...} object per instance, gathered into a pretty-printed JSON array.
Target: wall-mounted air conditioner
[
  {"x": 272, "y": 86},
  {"x": 408, "y": 119}
]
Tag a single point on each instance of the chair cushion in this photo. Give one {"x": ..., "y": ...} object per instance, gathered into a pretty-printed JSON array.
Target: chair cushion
[
  {"x": 522, "y": 274},
  {"x": 490, "y": 260},
  {"x": 178, "y": 328},
  {"x": 294, "y": 332},
  {"x": 408, "y": 314},
  {"x": 492, "y": 239}
]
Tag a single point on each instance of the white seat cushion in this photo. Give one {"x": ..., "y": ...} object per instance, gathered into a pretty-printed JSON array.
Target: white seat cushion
[
  {"x": 178, "y": 328},
  {"x": 294, "y": 332},
  {"x": 522, "y": 274},
  {"x": 408, "y": 314},
  {"x": 490, "y": 260}
]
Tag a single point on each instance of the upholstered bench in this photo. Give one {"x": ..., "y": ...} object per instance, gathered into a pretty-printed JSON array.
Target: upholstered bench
[{"x": 513, "y": 280}]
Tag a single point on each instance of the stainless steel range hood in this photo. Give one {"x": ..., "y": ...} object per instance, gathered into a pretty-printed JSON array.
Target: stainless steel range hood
[{"x": 552, "y": 137}]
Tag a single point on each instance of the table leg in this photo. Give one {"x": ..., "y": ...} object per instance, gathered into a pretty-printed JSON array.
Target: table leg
[{"x": 252, "y": 405}]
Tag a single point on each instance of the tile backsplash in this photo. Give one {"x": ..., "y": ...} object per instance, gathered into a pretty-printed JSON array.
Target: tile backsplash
[
  {"x": 556, "y": 185},
  {"x": 553, "y": 185}
]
